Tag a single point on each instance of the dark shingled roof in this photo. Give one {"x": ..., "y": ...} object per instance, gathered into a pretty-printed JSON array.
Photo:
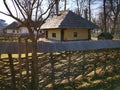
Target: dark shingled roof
[
  {"x": 68, "y": 19},
  {"x": 13, "y": 25}
]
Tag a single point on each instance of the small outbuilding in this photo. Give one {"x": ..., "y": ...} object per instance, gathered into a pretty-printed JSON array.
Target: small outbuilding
[
  {"x": 15, "y": 28},
  {"x": 11, "y": 28},
  {"x": 68, "y": 26}
]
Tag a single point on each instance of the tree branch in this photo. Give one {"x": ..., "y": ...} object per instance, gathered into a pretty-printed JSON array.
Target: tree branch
[
  {"x": 15, "y": 8},
  {"x": 4, "y": 1},
  {"x": 18, "y": 4},
  {"x": 49, "y": 7}
]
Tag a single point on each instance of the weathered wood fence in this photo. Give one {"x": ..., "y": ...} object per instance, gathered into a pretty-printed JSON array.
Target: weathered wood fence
[
  {"x": 51, "y": 47},
  {"x": 62, "y": 66}
]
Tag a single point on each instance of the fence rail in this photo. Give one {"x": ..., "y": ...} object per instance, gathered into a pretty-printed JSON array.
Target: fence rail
[{"x": 44, "y": 47}]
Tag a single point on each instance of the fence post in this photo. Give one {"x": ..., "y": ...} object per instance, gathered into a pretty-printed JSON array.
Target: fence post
[
  {"x": 69, "y": 66},
  {"x": 53, "y": 70},
  {"x": 12, "y": 70},
  {"x": 20, "y": 62},
  {"x": 83, "y": 66},
  {"x": 27, "y": 62}
]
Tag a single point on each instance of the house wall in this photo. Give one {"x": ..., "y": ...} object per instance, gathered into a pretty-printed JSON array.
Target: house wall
[
  {"x": 81, "y": 34},
  {"x": 69, "y": 34},
  {"x": 17, "y": 31},
  {"x": 58, "y": 34},
  {"x": 11, "y": 31}
]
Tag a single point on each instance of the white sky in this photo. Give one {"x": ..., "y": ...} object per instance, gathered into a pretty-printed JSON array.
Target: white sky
[
  {"x": 10, "y": 20},
  {"x": 4, "y": 17}
]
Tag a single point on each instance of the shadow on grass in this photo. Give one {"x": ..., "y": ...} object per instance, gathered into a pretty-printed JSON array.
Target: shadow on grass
[{"x": 110, "y": 84}]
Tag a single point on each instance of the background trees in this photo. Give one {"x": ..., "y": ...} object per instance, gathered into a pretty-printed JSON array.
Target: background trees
[
  {"x": 111, "y": 9},
  {"x": 115, "y": 15}
]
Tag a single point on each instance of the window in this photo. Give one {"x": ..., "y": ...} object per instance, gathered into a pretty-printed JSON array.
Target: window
[
  {"x": 75, "y": 34},
  {"x": 13, "y": 31},
  {"x": 54, "y": 35}
]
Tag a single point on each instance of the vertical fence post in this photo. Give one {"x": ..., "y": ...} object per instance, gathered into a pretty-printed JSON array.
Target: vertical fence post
[
  {"x": 95, "y": 66},
  {"x": 69, "y": 65},
  {"x": 12, "y": 71},
  {"x": 95, "y": 63},
  {"x": 20, "y": 62},
  {"x": 27, "y": 62},
  {"x": 53, "y": 70},
  {"x": 83, "y": 66}
]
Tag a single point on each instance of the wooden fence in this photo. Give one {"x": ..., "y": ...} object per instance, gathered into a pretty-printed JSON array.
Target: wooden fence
[
  {"x": 8, "y": 37},
  {"x": 70, "y": 68},
  {"x": 59, "y": 63}
]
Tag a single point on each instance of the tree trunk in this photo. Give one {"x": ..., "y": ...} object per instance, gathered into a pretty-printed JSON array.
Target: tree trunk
[
  {"x": 65, "y": 5},
  {"x": 89, "y": 10},
  {"x": 114, "y": 26},
  {"x": 104, "y": 8},
  {"x": 34, "y": 72},
  {"x": 57, "y": 6},
  {"x": 78, "y": 8}
]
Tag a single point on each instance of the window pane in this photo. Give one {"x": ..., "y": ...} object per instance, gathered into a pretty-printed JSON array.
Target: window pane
[
  {"x": 75, "y": 34},
  {"x": 53, "y": 34}
]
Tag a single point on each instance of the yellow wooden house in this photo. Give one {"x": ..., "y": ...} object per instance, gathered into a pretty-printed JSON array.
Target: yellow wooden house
[{"x": 68, "y": 26}]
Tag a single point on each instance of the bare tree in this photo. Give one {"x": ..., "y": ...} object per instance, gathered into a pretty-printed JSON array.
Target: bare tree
[
  {"x": 86, "y": 13},
  {"x": 27, "y": 12},
  {"x": 111, "y": 13},
  {"x": 90, "y": 2},
  {"x": 104, "y": 10},
  {"x": 65, "y": 4},
  {"x": 81, "y": 6},
  {"x": 89, "y": 7},
  {"x": 115, "y": 13},
  {"x": 57, "y": 6},
  {"x": 103, "y": 16}
]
